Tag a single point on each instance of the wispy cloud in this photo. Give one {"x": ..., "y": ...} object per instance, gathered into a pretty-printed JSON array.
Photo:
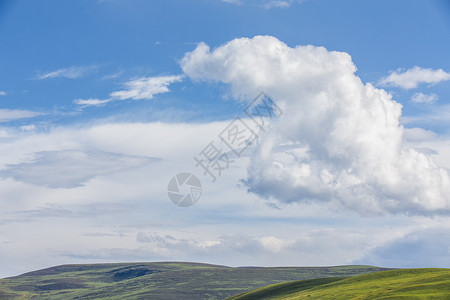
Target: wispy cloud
[
  {"x": 91, "y": 102},
  {"x": 233, "y": 1},
  {"x": 411, "y": 78},
  {"x": 112, "y": 75},
  {"x": 2, "y": 93},
  {"x": 71, "y": 168},
  {"x": 277, "y": 3},
  {"x": 73, "y": 72},
  {"x": 436, "y": 115},
  {"x": 136, "y": 89},
  {"x": 145, "y": 87},
  {"x": 424, "y": 98},
  {"x": 7, "y": 115},
  {"x": 30, "y": 127},
  {"x": 267, "y": 4}
]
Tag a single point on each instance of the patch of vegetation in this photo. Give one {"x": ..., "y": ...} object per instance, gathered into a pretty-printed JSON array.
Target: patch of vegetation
[
  {"x": 395, "y": 284},
  {"x": 131, "y": 272}
]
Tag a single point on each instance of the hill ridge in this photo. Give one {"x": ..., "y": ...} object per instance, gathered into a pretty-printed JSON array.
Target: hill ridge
[{"x": 158, "y": 280}]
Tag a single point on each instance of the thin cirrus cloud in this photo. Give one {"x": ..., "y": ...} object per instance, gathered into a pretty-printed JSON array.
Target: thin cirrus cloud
[
  {"x": 7, "y": 115},
  {"x": 277, "y": 3},
  {"x": 145, "y": 87},
  {"x": 424, "y": 98},
  {"x": 73, "y": 72},
  {"x": 91, "y": 102},
  {"x": 268, "y": 4},
  {"x": 411, "y": 78},
  {"x": 233, "y": 1},
  {"x": 436, "y": 115},
  {"x": 350, "y": 150},
  {"x": 2, "y": 93},
  {"x": 71, "y": 168},
  {"x": 137, "y": 89}
]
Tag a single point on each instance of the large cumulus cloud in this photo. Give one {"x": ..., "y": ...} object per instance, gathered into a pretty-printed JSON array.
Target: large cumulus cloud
[{"x": 342, "y": 140}]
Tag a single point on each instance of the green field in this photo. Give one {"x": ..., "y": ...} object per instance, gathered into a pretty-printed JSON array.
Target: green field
[
  {"x": 396, "y": 284},
  {"x": 159, "y": 280}
]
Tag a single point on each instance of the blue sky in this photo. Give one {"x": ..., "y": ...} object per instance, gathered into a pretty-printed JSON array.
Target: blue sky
[
  {"x": 120, "y": 40},
  {"x": 102, "y": 102}
]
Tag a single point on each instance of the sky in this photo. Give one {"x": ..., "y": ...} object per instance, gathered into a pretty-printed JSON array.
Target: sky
[{"x": 103, "y": 103}]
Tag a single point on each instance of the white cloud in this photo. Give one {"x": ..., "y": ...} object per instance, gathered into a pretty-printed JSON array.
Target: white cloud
[
  {"x": 91, "y": 102},
  {"x": 311, "y": 247},
  {"x": 411, "y": 78},
  {"x": 7, "y": 115},
  {"x": 145, "y": 87},
  {"x": 2, "y": 93},
  {"x": 71, "y": 168},
  {"x": 439, "y": 115},
  {"x": 350, "y": 145},
  {"x": 419, "y": 135},
  {"x": 136, "y": 89},
  {"x": 30, "y": 127},
  {"x": 113, "y": 75},
  {"x": 124, "y": 205},
  {"x": 73, "y": 72},
  {"x": 424, "y": 98},
  {"x": 115, "y": 187},
  {"x": 232, "y": 1},
  {"x": 267, "y": 4},
  {"x": 425, "y": 248},
  {"x": 277, "y": 3},
  {"x": 249, "y": 249}
]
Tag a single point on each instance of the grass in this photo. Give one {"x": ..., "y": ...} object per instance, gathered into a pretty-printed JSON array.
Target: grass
[
  {"x": 159, "y": 280},
  {"x": 394, "y": 284},
  {"x": 281, "y": 290}
]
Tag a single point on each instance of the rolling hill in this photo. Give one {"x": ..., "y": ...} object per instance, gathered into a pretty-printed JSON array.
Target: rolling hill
[
  {"x": 395, "y": 284},
  {"x": 158, "y": 280}
]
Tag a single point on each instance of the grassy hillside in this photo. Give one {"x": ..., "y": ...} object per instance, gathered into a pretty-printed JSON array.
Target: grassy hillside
[
  {"x": 396, "y": 284},
  {"x": 161, "y": 280},
  {"x": 284, "y": 289}
]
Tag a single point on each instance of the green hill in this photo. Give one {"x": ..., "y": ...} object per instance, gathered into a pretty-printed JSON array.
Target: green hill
[
  {"x": 159, "y": 280},
  {"x": 396, "y": 284}
]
